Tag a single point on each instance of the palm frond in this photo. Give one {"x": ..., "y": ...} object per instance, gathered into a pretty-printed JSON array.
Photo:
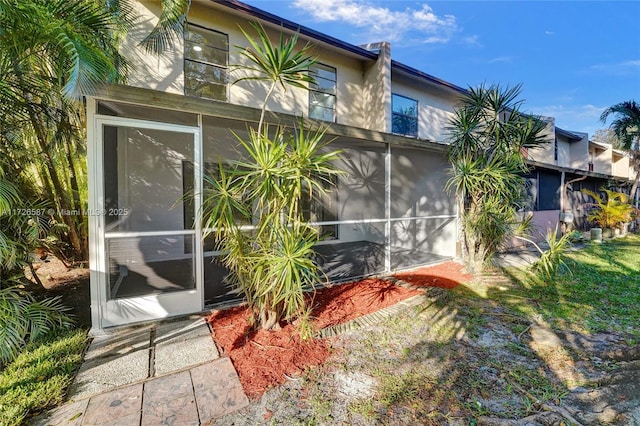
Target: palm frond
[{"x": 170, "y": 26}]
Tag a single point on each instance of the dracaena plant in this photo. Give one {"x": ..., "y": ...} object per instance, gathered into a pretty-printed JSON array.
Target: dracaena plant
[
  {"x": 273, "y": 260},
  {"x": 488, "y": 133}
]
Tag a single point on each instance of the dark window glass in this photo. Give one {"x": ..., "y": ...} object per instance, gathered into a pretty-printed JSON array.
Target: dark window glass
[
  {"x": 548, "y": 190},
  {"x": 404, "y": 116}
]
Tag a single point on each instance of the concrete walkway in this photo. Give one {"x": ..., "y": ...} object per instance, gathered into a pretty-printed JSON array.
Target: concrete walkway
[{"x": 166, "y": 373}]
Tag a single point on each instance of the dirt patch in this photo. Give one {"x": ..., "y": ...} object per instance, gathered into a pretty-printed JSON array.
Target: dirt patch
[
  {"x": 460, "y": 359},
  {"x": 264, "y": 359},
  {"x": 446, "y": 275},
  {"x": 70, "y": 283}
]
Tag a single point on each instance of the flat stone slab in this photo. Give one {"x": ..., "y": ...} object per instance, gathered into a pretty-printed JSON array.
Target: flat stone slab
[
  {"x": 121, "y": 406},
  {"x": 66, "y": 415},
  {"x": 119, "y": 342},
  {"x": 102, "y": 374},
  {"x": 180, "y": 331},
  {"x": 183, "y": 344},
  {"x": 169, "y": 400},
  {"x": 217, "y": 389},
  {"x": 113, "y": 385}
]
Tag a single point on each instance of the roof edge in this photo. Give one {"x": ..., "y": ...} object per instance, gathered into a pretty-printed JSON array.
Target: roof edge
[
  {"x": 290, "y": 25},
  {"x": 421, "y": 74},
  {"x": 569, "y": 135}
]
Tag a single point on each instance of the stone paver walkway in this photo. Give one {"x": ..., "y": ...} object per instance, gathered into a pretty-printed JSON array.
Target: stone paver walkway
[{"x": 167, "y": 373}]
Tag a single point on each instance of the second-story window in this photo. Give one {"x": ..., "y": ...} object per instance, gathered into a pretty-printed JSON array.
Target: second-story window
[
  {"x": 404, "y": 118},
  {"x": 322, "y": 95},
  {"x": 206, "y": 57}
]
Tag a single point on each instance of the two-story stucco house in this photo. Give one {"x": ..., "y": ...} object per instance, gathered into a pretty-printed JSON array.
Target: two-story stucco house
[{"x": 151, "y": 141}]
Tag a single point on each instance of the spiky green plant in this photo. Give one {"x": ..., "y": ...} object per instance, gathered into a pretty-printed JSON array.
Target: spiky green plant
[
  {"x": 282, "y": 64},
  {"x": 488, "y": 133},
  {"x": 552, "y": 260},
  {"x": 273, "y": 260},
  {"x": 612, "y": 211}
]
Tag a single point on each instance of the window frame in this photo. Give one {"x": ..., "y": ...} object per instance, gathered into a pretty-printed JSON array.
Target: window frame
[
  {"x": 224, "y": 68},
  {"x": 314, "y": 88},
  {"x": 398, "y": 114}
]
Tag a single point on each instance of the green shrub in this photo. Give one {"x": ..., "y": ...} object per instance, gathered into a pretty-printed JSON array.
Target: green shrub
[{"x": 24, "y": 319}]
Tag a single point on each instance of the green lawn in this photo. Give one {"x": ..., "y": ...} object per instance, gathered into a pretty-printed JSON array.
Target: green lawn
[
  {"x": 599, "y": 292},
  {"x": 39, "y": 377}
]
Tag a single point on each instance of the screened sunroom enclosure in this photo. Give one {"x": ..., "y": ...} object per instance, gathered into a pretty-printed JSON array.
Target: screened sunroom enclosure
[{"x": 388, "y": 211}]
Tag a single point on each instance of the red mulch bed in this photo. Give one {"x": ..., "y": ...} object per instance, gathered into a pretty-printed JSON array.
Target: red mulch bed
[
  {"x": 445, "y": 275},
  {"x": 262, "y": 358}
]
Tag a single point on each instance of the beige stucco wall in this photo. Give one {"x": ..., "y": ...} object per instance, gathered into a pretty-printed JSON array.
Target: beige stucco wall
[
  {"x": 164, "y": 73},
  {"x": 564, "y": 152},
  {"x": 601, "y": 157},
  {"x": 620, "y": 165},
  {"x": 544, "y": 153},
  {"x": 435, "y": 107},
  {"x": 580, "y": 152},
  {"x": 376, "y": 90},
  {"x": 355, "y": 100}
]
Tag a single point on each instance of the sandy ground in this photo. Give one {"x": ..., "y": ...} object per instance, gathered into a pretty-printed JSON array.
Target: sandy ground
[{"x": 460, "y": 361}]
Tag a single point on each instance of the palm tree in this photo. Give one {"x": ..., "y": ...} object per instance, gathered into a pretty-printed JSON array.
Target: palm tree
[
  {"x": 51, "y": 53},
  {"x": 488, "y": 133},
  {"x": 626, "y": 126}
]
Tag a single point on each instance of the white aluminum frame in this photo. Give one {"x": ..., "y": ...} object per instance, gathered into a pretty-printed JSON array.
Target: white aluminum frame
[
  {"x": 107, "y": 313},
  {"x": 98, "y": 234}
]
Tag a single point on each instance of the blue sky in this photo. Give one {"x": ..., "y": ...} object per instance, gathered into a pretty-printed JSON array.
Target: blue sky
[{"x": 574, "y": 58}]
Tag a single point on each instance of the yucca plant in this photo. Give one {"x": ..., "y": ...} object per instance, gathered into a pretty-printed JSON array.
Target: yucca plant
[
  {"x": 273, "y": 260},
  {"x": 552, "y": 260},
  {"x": 488, "y": 132},
  {"x": 612, "y": 211}
]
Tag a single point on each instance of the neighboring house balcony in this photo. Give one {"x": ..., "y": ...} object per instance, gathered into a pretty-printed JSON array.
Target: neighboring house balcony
[
  {"x": 600, "y": 156},
  {"x": 620, "y": 165}
]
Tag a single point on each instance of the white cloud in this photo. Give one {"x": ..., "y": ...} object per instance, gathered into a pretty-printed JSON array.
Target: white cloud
[
  {"x": 472, "y": 40},
  {"x": 549, "y": 32},
  {"x": 579, "y": 118},
  {"x": 381, "y": 22},
  {"x": 619, "y": 68}
]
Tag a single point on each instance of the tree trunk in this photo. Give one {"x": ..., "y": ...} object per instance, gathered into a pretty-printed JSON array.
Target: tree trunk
[
  {"x": 77, "y": 203},
  {"x": 59, "y": 194},
  {"x": 635, "y": 158},
  {"x": 269, "y": 320}
]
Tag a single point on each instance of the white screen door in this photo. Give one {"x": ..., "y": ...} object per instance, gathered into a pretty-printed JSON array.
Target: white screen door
[{"x": 151, "y": 251}]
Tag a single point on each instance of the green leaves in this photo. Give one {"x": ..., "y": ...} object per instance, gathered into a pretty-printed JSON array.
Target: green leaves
[
  {"x": 23, "y": 319},
  {"x": 553, "y": 259},
  {"x": 612, "y": 212},
  {"x": 282, "y": 64},
  {"x": 170, "y": 26},
  {"x": 626, "y": 124},
  {"x": 273, "y": 260},
  {"x": 488, "y": 133}
]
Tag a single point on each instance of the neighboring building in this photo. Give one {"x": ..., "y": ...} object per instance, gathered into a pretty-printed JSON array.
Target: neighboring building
[{"x": 151, "y": 142}]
